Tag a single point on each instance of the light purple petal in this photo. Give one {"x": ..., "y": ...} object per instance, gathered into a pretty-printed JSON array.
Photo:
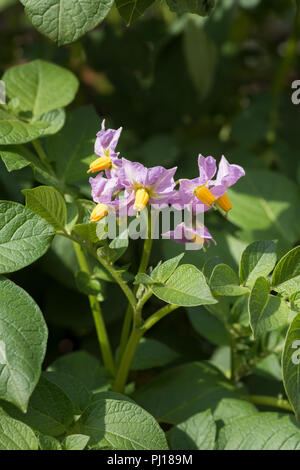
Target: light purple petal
[
  {"x": 228, "y": 174},
  {"x": 107, "y": 140},
  {"x": 207, "y": 168},
  {"x": 132, "y": 174},
  {"x": 98, "y": 185}
]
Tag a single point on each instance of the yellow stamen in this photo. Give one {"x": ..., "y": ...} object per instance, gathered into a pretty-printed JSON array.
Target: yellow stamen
[
  {"x": 99, "y": 212},
  {"x": 141, "y": 199},
  {"x": 101, "y": 163},
  {"x": 224, "y": 203},
  {"x": 199, "y": 240},
  {"x": 205, "y": 195}
]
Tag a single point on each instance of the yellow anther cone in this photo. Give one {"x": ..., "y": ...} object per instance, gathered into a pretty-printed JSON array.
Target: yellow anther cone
[
  {"x": 205, "y": 195},
  {"x": 141, "y": 199},
  {"x": 99, "y": 212},
  {"x": 224, "y": 203},
  {"x": 101, "y": 163}
]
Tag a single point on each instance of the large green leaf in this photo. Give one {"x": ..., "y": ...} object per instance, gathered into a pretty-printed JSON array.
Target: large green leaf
[
  {"x": 286, "y": 275},
  {"x": 200, "y": 51},
  {"x": 186, "y": 286},
  {"x": 50, "y": 411},
  {"x": 23, "y": 337},
  {"x": 16, "y": 157},
  {"x": 65, "y": 21},
  {"x": 267, "y": 312},
  {"x": 122, "y": 425},
  {"x": 49, "y": 204},
  {"x": 208, "y": 325},
  {"x": 40, "y": 86},
  {"x": 196, "y": 433},
  {"x": 79, "y": 375},
  {"x": 16, "y": 436},
  {"x": 75, "y": 442},
  {"x": 291, "y": 365},
  {"x": 152, "y": 353},
  {"x": 266, "y": 205},
  {"x": 261, "y": 431},
  {"x": 163, "y": 271},
  {"x": 258, "y": 259},
  {"x": 15, "y": 131},
  {"x": 130, "y": 10},
  {"x": 180, "y": 392},
  {"x": 72, "y": 149},
  {"x": 224, "y": 281},
  {"x": 24, "y": 236}
]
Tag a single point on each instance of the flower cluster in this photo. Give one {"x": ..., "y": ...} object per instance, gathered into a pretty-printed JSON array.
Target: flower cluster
[{"x": 130, "y": 186}]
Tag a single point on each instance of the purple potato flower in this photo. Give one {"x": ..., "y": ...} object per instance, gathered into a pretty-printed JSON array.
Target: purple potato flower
[
  {"x": 142, "y": 185},
  {"x": 105, "y": 146}
]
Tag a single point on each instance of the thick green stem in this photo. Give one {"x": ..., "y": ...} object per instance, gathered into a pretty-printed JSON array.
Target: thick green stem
[
  {"x": 97, "y": 314},
  {"x": 142, "y": 268},
  {"x": 126, "y": 360},
  {"x": 131, "y": 347},
  {"x": 270, "y": 401},
  {"x": 157, "y": 316}
]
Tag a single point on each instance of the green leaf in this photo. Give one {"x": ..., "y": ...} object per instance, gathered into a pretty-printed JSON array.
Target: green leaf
[
  {"x": 122, "y": 425},
  {"x": 200, "y": 52},
  {"x": 24, "y": 236},
  {"x": 196, "y": 433},
  {"x": 49, "y": 412},
  {"x": 152, "y": 353},
  {"x": 143, "y": 278},
  {"x": 230, "y": 409},
  {"x": 178, "y": 393},
  {"x": 65, "y": 21},
  {"x": 87, "y": 284},
  {"x": 75, "y": 442},
  {"x": 163, "y": 271},
  {"x": 79, "y": 375},
  {"x": 16, "y": 436},
  {"x": 258, "y": 259},
  {"x": 199, "y": 7},
  {"x": 295, "y": 301},
  {"x": 208, "y": 326},
  {"x": 132, "y": 9},
  {"x": 291, "y": 365},
  {"x": 49, "y": 204},
  {"x": 265, "y": 205},
  {"x": 72, "y": 149},
  {"x": 224, "y": 281},
  {"x": 15, "y": 131},
  {"x": 23, "y": 338},
  {"x": 86, "y": 232},
  {"x": 40, "y": 86},
  {"x": 267, "y": 312},
  {"x": 286, "y": 275},
  {"x": 261, "y": 431},
  {"x": 186, "y": 286},
  {"x": 48, "y": 443},
  {"x": 16, "y": 157}
]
